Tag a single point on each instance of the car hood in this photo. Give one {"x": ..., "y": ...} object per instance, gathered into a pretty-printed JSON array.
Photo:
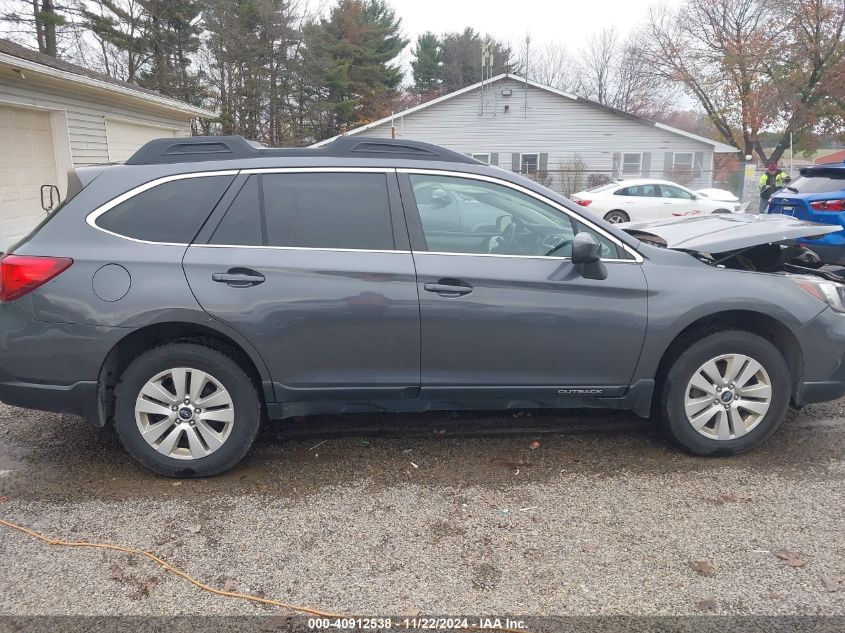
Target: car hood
[{"x": 723, "y": 232}]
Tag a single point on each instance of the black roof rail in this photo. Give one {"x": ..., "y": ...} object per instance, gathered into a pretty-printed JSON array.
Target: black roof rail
[{"x": 206, "y": 148}]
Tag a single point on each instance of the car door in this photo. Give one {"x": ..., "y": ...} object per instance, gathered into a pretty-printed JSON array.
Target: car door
[
  {"x": 314, "y": 268},
  {"x": 501, "y": 318},
  {"x": 678, "y": 201},
  {"x": 641, "y": 202}
]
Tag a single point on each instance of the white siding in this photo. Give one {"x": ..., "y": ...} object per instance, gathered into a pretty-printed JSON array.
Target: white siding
[
  {"x": 551, "y": 124},
  {"x": 86, "y": 115}
]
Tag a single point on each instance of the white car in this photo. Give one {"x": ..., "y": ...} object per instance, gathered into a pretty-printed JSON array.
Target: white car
[{"x": 646, "y": 199}]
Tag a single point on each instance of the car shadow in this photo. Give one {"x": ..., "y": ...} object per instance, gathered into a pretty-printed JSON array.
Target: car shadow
[{"x": 54, "y": 457}]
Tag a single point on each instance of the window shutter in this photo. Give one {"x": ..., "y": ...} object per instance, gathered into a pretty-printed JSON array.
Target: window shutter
[
  {"x": 543, "y": 167},
  {"x": 515, "y": 166},
  {"x": 617, "y": 165},
  {"x": 645, "y": 167},
  {"x": 494, "y": 158},
  {"x": 697, "y": 164},
  {"x": 668, "y": 159}
]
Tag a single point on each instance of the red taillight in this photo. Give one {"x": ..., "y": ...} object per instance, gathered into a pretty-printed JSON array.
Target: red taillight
[
  {"x": 21, "y": 274},
  {"x": 828, "y": 205},
  {"x": 584, "y": 203}
]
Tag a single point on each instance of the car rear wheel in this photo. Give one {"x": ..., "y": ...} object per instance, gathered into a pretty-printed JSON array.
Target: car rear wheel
[
  {"x": 722, "y": 211},
  {"x": 186, "y": 410},
  {"x": 725, "y": 394},
  {"x": 616, "y": 217}
]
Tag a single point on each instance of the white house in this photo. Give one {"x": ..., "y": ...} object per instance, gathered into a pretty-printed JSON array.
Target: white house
[
  {"x": 563, "y": 140},
  {"x": 55, "y": 116}
]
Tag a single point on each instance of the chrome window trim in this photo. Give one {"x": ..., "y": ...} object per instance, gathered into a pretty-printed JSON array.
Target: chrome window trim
[
  {"x": 303, "y": 248},
  {"x": 638, "y": 259},
  {"x": 91, "y": 218}
]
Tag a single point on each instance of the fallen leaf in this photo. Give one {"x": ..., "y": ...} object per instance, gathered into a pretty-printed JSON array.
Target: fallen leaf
[
  {"x": 793, "y": 559},
  {"x": 535, "y": 445},
  {"x": 177, "y": 483},
  {"x": 832, "y": 583},
  {"x": 149, "y": 586},
  {"x": 194, "y": 529},
  {"x": 589, "y": 547},
  {"x": 707, "y": 604},
  {"x": 702, "y": 567},
  {"x": 229, "y": 585},
  {"x": 115, "y": 573},
  {"x": 735, "y": 497},
  {"x": 775, "y": 595},
  {"x": 4, "y": 499}
]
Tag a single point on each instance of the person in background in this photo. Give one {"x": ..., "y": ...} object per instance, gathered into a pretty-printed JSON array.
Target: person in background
[{"x": 770, "y": 182}]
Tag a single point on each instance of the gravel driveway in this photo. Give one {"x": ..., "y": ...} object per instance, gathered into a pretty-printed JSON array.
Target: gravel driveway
[{"x": 458, "y": 514}]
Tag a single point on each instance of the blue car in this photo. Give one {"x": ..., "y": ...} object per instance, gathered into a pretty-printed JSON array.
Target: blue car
[{"x": 817, "y": 195}]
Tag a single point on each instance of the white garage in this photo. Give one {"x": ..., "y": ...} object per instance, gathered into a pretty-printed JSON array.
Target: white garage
[
  {"x": 27, "y": 161},
  {"x": 55, "y": 116},
  {"x": 124, "y": 137}
]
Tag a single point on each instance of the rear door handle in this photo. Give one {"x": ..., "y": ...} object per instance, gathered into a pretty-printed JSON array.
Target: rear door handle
[
  {"x": 239, "y": 277},
  {"x": 449, "y": 289}
]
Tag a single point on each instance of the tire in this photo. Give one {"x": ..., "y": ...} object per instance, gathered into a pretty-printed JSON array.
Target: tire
[
  {"x": 211, "y": 441},
  {"x": 752, "y": 428},
  {"x": 616, "y": 217},
  {"x": 722, "y": 211}
]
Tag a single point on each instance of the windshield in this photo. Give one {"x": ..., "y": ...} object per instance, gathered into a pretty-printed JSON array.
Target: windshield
[{"x": 823, "y": 182}]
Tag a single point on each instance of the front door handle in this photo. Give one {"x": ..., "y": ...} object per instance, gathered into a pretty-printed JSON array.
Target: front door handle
[
  {"x": 449, "y": 288},
  {"x": 239, "y": 277}
]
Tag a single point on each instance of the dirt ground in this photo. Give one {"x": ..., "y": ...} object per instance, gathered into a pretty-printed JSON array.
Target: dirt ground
[{"x": 538, "y": 513}]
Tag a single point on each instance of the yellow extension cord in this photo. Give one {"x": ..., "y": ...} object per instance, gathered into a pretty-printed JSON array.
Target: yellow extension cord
[{"x": 178, "y": 572}]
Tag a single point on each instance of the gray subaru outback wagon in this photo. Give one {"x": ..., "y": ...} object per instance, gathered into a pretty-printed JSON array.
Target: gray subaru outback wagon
[{"x": 207, "y": 284}]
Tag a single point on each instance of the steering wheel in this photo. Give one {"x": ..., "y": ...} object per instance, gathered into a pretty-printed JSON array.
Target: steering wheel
[{"x": 555, "y": 242}]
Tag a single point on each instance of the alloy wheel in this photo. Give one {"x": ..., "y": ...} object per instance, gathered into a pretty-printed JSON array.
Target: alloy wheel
[
  {"x": 184, "y": 413},
  {"x": 728, "y": 396}
]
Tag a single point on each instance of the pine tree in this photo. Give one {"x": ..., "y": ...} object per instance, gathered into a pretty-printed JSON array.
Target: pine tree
[
  {"x": 349, "y": 57},
  {"x": 427, "y": 65}
]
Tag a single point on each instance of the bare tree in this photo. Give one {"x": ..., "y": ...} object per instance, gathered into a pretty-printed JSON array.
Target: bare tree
[
  {"x": 754, "y": 65},
  {"x": 610, "y": 71},
  {"x": 549, "y": 64}
]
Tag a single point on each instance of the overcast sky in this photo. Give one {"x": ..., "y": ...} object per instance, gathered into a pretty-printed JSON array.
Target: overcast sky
[{"x": 568, "y": 22}]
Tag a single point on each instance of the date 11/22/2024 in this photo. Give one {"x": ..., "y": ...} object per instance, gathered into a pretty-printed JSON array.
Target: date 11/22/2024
[{"x": 418, "y": 623}]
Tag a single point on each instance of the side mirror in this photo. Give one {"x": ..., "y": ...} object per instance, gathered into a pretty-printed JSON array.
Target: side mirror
[
  {"x": 50, "y": 197},
  {"x": 585, "y": 249},
  {"x": 440, "y": 198},
  {"x": 586, "y": 254}
]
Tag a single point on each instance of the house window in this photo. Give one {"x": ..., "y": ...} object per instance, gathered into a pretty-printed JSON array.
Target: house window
[
  {"x": 632, "y": 164},
  {"x": 484, "y": 158},
  {"x": 682, "y": 162},
  {"x": 529, "y": 163}
]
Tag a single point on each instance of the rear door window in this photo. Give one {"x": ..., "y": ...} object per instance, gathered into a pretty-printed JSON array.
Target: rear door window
[
  {"x": 328, "y": 210},
  {"x": 824, "y": 182},
  {"x": 171, "y": 212}
]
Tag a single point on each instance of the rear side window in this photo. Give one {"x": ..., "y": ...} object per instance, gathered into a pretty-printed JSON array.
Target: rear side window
[
  {"x": 171, "y": 212},
  {"x": 825, "y": 182}
]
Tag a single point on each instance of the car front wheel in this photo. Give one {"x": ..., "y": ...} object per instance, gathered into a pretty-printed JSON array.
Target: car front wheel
[
  {"x": 186, "y": 410},
  {"x": 725, "y": 394}
]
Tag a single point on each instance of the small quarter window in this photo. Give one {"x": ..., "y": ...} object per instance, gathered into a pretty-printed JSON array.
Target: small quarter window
[
  {"x": 482, "y": 158},
  {"x": 242, "y": 225},
  {"x": 171, "y": 212}
]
